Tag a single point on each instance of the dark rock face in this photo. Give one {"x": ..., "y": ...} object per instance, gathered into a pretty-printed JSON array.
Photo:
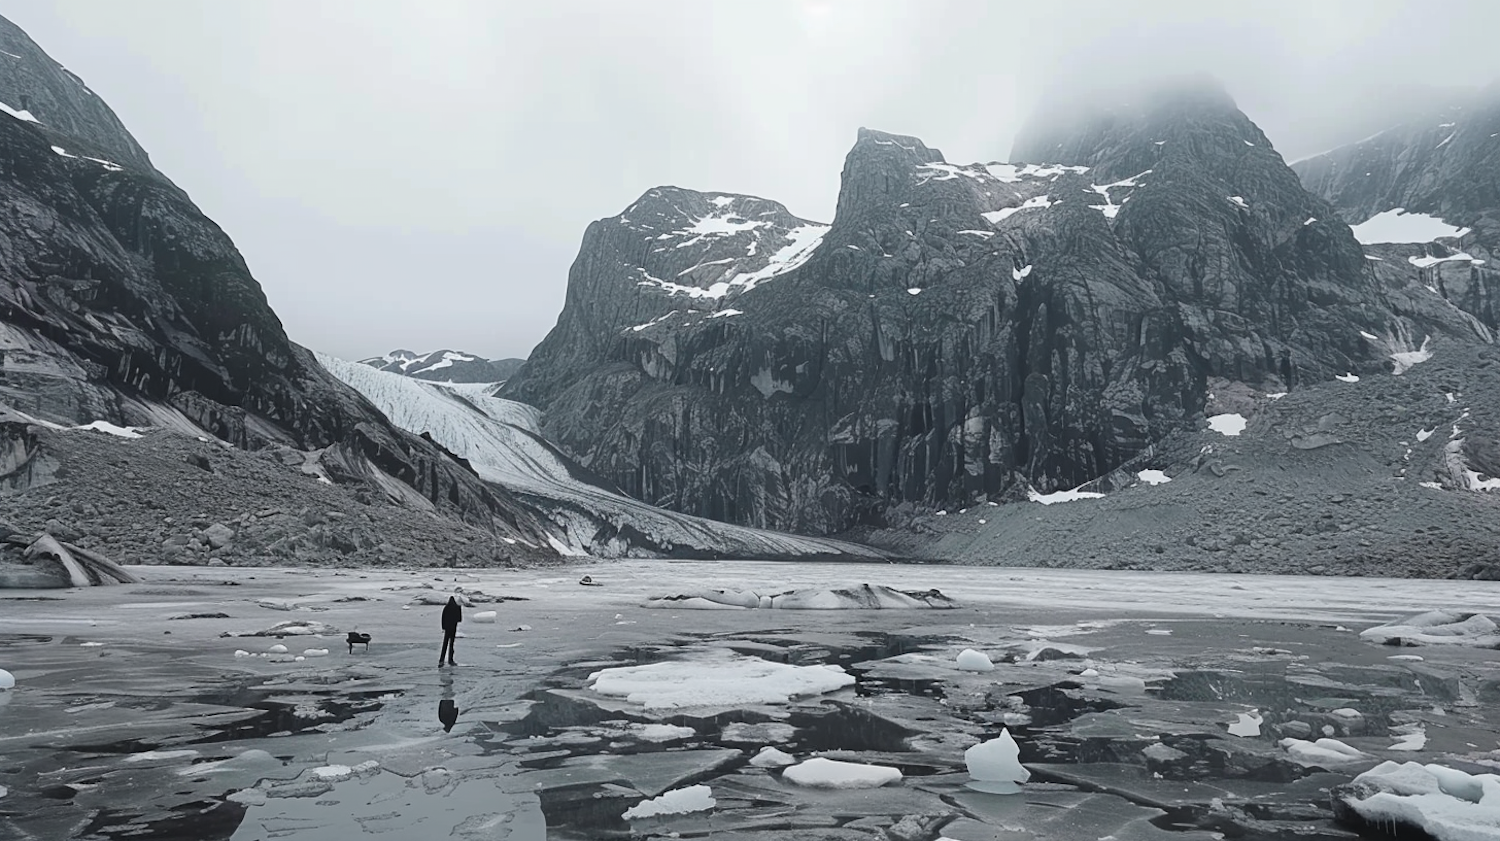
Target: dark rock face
[
  {"x": 958, "y": 332},
  {"x": 445, "y": 366},
  {"x": 1444, "y": 164},
  {"x": 120, "y": 301}
]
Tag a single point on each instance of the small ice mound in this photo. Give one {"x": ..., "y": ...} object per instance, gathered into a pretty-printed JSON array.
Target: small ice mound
[
  {"x": 7, "y": 680},
  {"x": 484, "y": 617},
  {"x": 1229, "y": 424},
  {"x": 240, "y": 652},
  {"x": 770, "y": 757},
  {"x": 970, "y": 660},
  {"x": 1322, "y": 752},
  {"x": 678, "y": 801},
  {"x": 995, "y": 765},
  {"x": 1438, "y": 627},
  {"x": 315, "y": 652},
  {"x": 831, "y": 773},
  {"x": 278, "y": 648},
  {"x": 1347, "y": 378},
  {"x": 721, "y": 679},
  {"x": 1248, "y": 725},
  {"x": 1401, "y": 800}
]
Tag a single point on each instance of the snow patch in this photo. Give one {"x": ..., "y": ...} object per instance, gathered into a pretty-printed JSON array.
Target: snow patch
[
  {"x": 1062, "y": 496},
  {"x": 995, "y": 217},
  {"x": 1010, "y": 173},
  {"x": 1429, "y": 261},
  {"x": 110, "y": 429},
  {"x": 1396, "y": 225},
  {"x": 1239, "y": 201},
  {"x": 1229, "y": 424},
  {"x": 24, "y": 116},
  {"x": 1347, "y": 377},
  {"x": 1153, "y": 477},
  {"x": 1021, "y": 273}
]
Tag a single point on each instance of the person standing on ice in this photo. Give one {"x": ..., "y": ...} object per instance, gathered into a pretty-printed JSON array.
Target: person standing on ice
[{"x": 452, "y": 615}]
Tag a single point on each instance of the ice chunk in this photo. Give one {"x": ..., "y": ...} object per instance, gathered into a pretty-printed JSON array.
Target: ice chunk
[
  {"x": 1228, "y": 424},
  {"x": 278, "y": 648},
  {"x": 315, "y": 652},
  {"x": 1446, "y": 804},
  {"x": 770, "y": 757},
  {"x": 484, "y": 617},
  {"x": 995, "y": 765},
  {"x": 970, "y": 660},
  {"x": 7, "y": 680},
  {"x": 1247, "y": 726},
  {"x": 721, "y": 679},
  {"x": 1438, "y": 627},
  {"x": 1322, "y": 752},
  {"x": 680, "y": 801},
  {"x": 831, "y": 773}
]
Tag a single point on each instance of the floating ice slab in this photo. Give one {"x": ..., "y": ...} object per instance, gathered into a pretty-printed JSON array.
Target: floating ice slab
[
  {"x": 723, "y": 679},
  {"x": 970, "y": 660},
  {"x": 995, "y": 765},
  {"x": 1438, "y": 627},
  {"x": 831, "y": 773},
  {"x": 1247, "y": 726},
  {"x": 7, "y": 680},
  {"x": 1447, "y": 804},
  {"x": 679, "y": 801},
  {"x": 1323, "y": 751}
]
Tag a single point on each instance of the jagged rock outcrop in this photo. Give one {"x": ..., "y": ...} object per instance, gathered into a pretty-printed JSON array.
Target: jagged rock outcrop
[
  {"x": 121, "y": 302},
  {"x": 445, "y": 366},
  {"x": 957, "y": 332}
]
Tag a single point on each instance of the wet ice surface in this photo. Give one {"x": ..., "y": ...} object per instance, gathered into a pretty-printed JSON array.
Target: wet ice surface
[{"x": 127, "y": 723}]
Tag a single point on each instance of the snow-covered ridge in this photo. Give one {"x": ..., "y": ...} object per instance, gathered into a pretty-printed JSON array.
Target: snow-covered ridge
[{"x": 501, "y": 439}]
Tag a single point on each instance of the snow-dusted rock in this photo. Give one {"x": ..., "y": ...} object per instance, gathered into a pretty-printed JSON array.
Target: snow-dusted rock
[
  {"x": 995, "y": 765},
  {"x": 831, "y": 773},
  {"x": 1401, "y": 800},
  {"x": 680, "y": 801},
  {"x": 970, "y": 660}
]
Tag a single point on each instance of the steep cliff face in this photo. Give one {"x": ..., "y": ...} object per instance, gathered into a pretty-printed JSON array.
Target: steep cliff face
[
  {"x": 957, "y": 332},
  {"x": 120, "y": 301}
]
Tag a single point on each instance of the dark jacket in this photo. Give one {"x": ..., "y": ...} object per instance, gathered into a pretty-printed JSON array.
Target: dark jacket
[{"x": 452, "y": 614}]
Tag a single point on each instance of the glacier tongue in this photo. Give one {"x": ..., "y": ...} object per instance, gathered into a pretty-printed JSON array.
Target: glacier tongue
[{"x": 502, "y": 442}]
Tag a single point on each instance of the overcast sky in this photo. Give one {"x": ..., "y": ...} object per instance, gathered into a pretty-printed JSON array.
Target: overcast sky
[{"x": 418, "y": 173}]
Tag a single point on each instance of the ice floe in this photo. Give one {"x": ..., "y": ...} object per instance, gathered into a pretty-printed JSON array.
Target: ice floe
[
  {"x": 1401, "y": 799},
  {"x": 1248, "y": 725},
  {"x": 679, "y": 801},
  {"x": 995, "y": 766},
  {"x": 1438, "y": 627},
  {"x": 1322, "y": 752},
  {"x": 819, "y": 772},
  {"x": 720, "y": 679}
]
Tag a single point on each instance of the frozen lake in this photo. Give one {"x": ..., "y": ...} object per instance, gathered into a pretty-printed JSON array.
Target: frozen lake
[{"x": 138, "y": 713}]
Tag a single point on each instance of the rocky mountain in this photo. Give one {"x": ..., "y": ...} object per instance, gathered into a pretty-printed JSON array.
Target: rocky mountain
[
  {"x": 445, "y": 366},
  {"x": 961, "y": 333},
  {"x": 121, "y": 303}
]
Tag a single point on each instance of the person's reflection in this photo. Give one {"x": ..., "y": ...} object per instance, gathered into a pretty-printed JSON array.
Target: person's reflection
[{"x": 447, "y": 708}]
